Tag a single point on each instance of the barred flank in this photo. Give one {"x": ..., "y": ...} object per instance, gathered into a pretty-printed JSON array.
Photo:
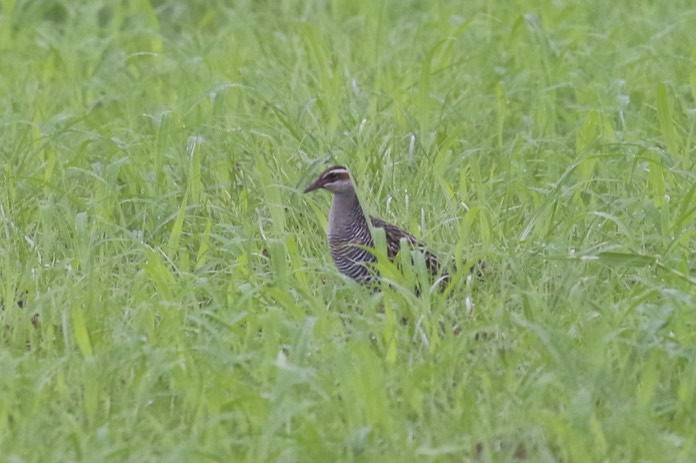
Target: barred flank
[{"x": 353, "y": 260}]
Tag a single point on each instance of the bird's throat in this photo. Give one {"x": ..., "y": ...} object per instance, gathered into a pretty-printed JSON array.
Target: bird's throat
[{"x": 346, "y": 214}]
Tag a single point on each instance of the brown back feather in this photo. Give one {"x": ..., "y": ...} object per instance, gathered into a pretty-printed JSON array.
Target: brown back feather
[{"x": 394, "y": 236}]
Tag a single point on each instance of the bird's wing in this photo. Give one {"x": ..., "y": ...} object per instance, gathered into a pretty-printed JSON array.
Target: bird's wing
[{"x": 394, "y": 235}]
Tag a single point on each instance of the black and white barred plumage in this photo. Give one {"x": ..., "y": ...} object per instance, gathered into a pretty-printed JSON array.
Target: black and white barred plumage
[{"x": 349, "y": 234}]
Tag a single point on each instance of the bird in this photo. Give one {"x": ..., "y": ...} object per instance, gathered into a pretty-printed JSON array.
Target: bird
[{"x": 349, "y": 232}]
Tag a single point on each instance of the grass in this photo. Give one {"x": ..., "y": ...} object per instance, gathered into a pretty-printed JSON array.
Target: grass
[{"x": 167, "y": 293}]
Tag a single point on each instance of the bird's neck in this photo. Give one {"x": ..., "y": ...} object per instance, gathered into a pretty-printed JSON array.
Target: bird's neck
[{"x": 346, "y": 215}]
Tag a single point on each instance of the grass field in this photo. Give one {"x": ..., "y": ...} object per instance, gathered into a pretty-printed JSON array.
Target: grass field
[{"x": 167, "y": 293}]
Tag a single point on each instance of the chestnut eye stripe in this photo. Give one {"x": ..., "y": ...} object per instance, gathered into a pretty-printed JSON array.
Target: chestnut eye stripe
[{"x": 335, "y": 175}]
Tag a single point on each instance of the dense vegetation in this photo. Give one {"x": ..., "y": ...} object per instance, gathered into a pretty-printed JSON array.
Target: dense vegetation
[{"x": 167, "y": 293}]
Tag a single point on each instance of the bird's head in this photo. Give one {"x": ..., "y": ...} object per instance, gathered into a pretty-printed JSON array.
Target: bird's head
[{"x": 336, "y": 179}]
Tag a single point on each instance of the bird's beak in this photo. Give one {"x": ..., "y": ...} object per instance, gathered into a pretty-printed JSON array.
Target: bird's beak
[{"x": 314, "y": 186}]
